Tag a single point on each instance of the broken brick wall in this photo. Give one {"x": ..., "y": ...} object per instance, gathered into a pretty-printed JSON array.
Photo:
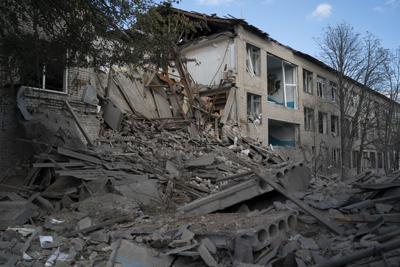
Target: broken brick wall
[
  {"x": 12, "y": 151},
  {"x": 50, "y": 109},
  {"x": 51, "y": 123}
]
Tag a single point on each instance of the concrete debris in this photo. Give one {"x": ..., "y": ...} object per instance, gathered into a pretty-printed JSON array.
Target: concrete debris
[{"x": 170, "y": 182}]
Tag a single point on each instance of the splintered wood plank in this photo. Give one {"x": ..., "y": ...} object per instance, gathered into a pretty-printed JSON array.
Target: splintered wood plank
[{"x": 76, "y": 155}]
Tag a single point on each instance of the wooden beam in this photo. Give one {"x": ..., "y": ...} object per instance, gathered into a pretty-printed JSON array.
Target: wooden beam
[{"x": 78, "y": 123}]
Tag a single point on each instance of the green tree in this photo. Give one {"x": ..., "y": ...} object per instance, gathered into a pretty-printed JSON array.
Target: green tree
[{"x": 87, "y": 33}]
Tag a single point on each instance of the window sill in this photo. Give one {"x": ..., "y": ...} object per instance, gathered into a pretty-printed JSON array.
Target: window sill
[
  {"x": 281, "y": 106},
  {"x": 65, "y": 92}
]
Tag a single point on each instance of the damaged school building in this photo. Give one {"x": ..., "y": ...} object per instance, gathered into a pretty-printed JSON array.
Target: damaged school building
[
  {"x": 209, "y": 164},
  {"x": 282, "y": 97}
]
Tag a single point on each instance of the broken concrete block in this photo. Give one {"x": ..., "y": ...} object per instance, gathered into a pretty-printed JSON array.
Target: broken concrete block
[
  {"x": 129, "y": 254},
  {"x": 206, "y": 256},
  {"x": 383, "y": 208},
  {"x": 145, "y": 192},
  {"x": 204, "y": 160},
  {"x": 100, "y": 236},
  {"x": 243, "y": 251},
  {"x": 84, "y": 223},
  {"x": 307, "y": 243},
  {"x": 113, "y": 115},
  {"x": 15, "y": 213},
  {"x": 226, "y": 198},
  {"x": 172, "y": 169},
  {"x": 108, "y": 203},
  {"x": 209, "y": 245}
]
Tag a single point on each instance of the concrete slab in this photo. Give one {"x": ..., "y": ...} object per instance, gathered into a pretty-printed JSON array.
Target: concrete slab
[
  {"x": 15, "y": 213},
  {"x": 132, "y": 255}
]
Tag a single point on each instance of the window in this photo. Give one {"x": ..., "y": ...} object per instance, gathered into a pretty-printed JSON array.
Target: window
[
  {"x": 366, "y": 161},
  {"x": 308, "y": 119},
  {"x": 307, "y": 81},
  {"x": 334, "y": 125},
  {"x": 372, "y": 159},
  {"x": 322, "y": 122},
  {"x": 336, "y": 156},
  {"x": 333, "y": 90},
  {"x": 321, "y": 87},
  {"x": 253, "y": 60},
  {"x": 356, "y": 155},
  {"x": 254, "y": 108},
  {"x": 51, "y": 75},
  {"x": 380, "y": 160},
  {"x": 282, "y": 82},
  {"x": 356, "y": 129},
  {"x": 353, "y": 99}
]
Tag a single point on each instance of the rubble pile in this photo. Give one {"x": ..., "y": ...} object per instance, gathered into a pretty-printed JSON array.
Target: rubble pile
[
  {"x": 147, "y": 196},
  {"x": 161, "y": 193}
]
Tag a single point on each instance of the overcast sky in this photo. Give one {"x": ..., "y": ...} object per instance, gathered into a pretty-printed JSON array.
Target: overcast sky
[{"x": 298, "y": 22}]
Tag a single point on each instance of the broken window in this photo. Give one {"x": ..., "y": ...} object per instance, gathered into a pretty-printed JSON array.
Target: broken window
[
  {"x": 254, "y": 108},
  {"x": 321, "y": 87},
  {"x": 380, "y": 160},
  {"x": 333, "y": 87},
  {"x": 334, "y": 125},
  {"x": 308, "y": 119},
  {"x": 322, "y": 122},
  {"x": 281, "y": 133},
  {"x": 307, "y": 81},
  {"x": 253, "y": 60},
  {"x": 372, "y": 159},
  {"x": 282, "y": 82},
  {"x": 51, "y": 75}
]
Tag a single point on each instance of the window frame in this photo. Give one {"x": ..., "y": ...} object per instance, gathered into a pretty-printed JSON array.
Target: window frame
[
  {"x": 335, "y": 118},
  {"x": 43, "y": 87},
  {"x": 323, "y": 86},
  {"x": 252, "y": 106},
  {"x": 306, "y": 74},
  {"x": 250, "y": 49},
  {"x": 333, "y": 87},
  {"x": 324, "y": 129},
  {"x": 310, "y": 126}
]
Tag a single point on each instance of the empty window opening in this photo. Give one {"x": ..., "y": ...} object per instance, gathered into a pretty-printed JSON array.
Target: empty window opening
[
  {"x": 254, "y": 108},
  {"x": 322, "y": 122},
  {"x": 372, "y": 158},
  {"x": 308, "y": 81},
  {"x": 336, "y": 157},
  {"x": 309, "y": 119},
  {"x": 334, "y": 125},
  {"x": 366, "y": 160},
  {"x": 51, "y": 75},
  {"x": 282, "y": 133},
  {"x": 355, "y": 156},
  {"x": 321, "y": 87},
  {"x": 253, "y": 60},
  {"x": 333, "y": 91},
  {"x": 282, "y": 82},
  {"x": 380, "y": 160}
]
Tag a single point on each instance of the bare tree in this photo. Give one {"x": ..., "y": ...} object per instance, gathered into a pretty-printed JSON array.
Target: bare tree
[
  {"x": 356, "y": 62},
  {"x": 388, "y": 132},
  {"x": 371, "y": 77}
]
